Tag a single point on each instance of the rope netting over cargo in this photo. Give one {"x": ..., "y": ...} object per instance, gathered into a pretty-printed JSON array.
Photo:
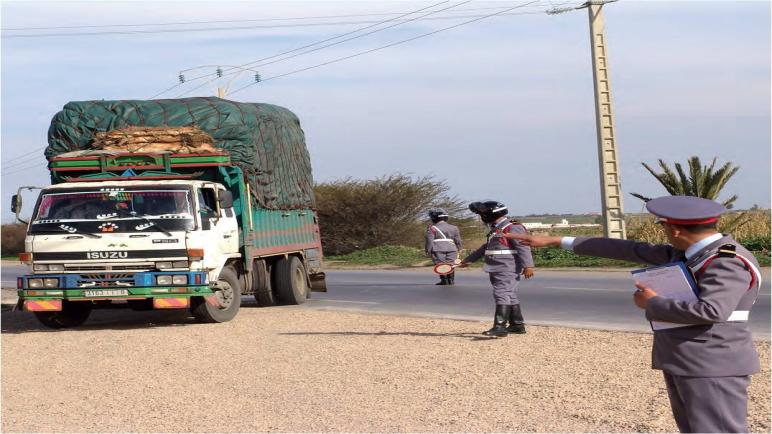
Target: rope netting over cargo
[{"x": 264, "y": 140}]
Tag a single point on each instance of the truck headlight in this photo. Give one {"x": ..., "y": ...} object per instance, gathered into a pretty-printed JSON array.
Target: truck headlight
[
  {"x": 180, "y": 279},
  {"x": 56, "y": 267},
  {"x": 50, "y": 283},
  {"x": 163, "y": 280},
  {"x": 180, "y": 264},
  {"x": 40, "y": 267},
  {"x": 35, "y": 283},
  {"x": 163, "y": 265}
]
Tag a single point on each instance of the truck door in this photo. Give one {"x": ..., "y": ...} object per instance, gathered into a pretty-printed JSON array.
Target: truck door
[{"x": 219, "y": 223}]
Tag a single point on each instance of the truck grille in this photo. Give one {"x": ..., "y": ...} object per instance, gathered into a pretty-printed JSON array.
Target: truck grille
[
  {"x": 106, "y": 280},
  {"x": 123, "y": 267}
]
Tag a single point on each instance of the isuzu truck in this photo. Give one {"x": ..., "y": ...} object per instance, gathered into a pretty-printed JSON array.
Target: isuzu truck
[{"x": 143, "y": 213}]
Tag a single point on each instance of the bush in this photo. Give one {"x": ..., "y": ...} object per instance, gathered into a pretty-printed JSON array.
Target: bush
[
  {"x": 557, "y": 257},
  {"x": 360, "y": 214},
  {"x": 13, "y": 238}
]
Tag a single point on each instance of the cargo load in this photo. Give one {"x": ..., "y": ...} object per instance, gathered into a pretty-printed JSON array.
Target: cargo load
[{"x": 264, "y": 140}]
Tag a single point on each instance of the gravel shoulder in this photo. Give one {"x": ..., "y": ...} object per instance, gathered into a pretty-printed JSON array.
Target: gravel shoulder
[{"x": 299, "y": 370}]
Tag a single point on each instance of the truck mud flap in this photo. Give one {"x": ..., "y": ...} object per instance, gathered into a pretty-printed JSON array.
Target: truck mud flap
[{"x": 318, "y": 282}]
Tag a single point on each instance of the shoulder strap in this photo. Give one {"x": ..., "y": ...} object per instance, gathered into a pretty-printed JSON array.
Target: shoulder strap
[
  {"x": 730, "y": 251},
  {"x": 438, "y": 230}
]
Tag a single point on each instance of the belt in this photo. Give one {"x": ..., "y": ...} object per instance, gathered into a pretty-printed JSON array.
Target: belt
[
  {"x": 442, "y": 239},
  {"x": 739, "y": 315},
  {"x": 500, "y": 252}
]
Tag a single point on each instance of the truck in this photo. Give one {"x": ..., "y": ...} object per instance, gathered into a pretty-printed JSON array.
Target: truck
[{"x": 158, "y": 227}]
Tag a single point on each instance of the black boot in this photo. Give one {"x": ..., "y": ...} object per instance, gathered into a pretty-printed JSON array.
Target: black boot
[
  {"x": 452, "y": 278},
  {"x": 499, "y": 328},
  {"x": 516, "y": 323},
  {"x": 443, "y": 280}
]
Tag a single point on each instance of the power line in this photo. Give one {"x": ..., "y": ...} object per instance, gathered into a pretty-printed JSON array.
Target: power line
[
  {"x": 22, "y": 169},
  {"x": 12, "y": 166},
  {"x": 23, "y": 155},
  {"x": 252, "y": 64},
  {"x": 384, "y": 46},
  {"x": 178, "y": 23},
  {"x": 349, "y": 33},
  {"x": 206, "y": 29},
  {"x": 290, "y": 51},
  {"x": 257, "y": 62}
]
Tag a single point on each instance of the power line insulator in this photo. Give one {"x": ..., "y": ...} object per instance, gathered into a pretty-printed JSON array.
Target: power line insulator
[
  {"x": 182, "y": 78},
  {"x": 257, "y": 77},
  {"x": 219, "y": 72}
]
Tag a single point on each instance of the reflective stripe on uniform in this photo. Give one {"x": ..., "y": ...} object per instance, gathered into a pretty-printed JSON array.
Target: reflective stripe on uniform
[
  {"x": 442, "y": 239},
  {"x": 500, "y": 252},
  {"x": 441, "y": 233},
  {"x": 739, "y": 315}
]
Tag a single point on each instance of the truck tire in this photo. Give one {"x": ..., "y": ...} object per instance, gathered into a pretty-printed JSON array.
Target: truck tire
[
  {"x": 290, "y": 281},
  {"x": 73, "y": 314},
  {"x": 263, "y": 289},
  {"x": 229, "y": 298}
]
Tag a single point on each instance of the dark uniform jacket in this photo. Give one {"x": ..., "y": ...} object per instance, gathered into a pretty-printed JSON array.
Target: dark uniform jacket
[
  {"x": 503, "y": 254},
  {"x": 713, "y": 346}
]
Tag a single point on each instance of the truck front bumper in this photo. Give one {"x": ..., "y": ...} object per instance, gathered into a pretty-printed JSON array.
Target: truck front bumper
[{"x": 50, "y": 299}]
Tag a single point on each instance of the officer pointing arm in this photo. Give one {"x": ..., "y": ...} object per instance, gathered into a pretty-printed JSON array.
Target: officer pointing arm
[{"x": 706, "y": 363}]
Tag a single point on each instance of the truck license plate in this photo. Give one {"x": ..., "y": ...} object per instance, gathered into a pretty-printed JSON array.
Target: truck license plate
[{"x": 106, "y": 292}]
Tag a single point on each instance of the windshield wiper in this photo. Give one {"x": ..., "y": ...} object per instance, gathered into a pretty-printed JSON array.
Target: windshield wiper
[{"x": 146, "y": 220}]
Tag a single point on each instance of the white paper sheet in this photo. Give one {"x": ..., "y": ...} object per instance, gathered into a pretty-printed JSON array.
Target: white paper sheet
[{"x": 669, "y": 281}]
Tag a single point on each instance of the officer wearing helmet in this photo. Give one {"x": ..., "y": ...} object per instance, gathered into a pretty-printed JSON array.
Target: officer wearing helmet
[
  {"x": 443, "y": 241},
  {"x": 505, "y": 261},
  {"x": 708, "y": 358}
]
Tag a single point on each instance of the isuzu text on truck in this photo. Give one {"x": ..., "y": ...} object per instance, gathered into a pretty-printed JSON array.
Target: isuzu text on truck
[{"x": 171, "y": 204}]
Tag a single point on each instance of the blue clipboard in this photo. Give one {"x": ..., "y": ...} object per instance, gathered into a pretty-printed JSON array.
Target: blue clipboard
[{"x": 687, "y": 276}]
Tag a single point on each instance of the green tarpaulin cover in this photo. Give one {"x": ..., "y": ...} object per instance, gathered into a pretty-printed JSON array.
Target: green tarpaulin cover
[{"x": 265, "y": 140}]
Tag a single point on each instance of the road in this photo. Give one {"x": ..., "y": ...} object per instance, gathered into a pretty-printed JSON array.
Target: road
[{"x": 582, "y": 299}]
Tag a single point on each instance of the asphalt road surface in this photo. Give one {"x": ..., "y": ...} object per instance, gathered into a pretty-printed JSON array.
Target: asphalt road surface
[{"x": 582, "y": 299}]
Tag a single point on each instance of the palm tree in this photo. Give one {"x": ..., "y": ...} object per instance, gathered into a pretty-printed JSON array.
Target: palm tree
[{"x": 701, "y": 181}]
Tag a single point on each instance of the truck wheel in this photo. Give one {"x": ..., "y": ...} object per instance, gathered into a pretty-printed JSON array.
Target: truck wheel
[
  {"x": 228, "y": 296},
  {"x": 263, "y": 291},
  {"x": 73, "y": 314},
  {"x": 289, "y": 280}
]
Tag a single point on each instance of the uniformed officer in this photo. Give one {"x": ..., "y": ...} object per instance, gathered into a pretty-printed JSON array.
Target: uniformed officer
[
  {"x": 443, "y": 241},
  {"x": 505, "y": 260},
  {"x": 707, "y": 364}
]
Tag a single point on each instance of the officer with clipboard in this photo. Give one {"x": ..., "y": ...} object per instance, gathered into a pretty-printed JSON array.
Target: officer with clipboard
[{"x": 708, "y": 360}]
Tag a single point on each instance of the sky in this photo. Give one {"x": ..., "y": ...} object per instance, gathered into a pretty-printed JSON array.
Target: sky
[{"x": 500, "y": 108}]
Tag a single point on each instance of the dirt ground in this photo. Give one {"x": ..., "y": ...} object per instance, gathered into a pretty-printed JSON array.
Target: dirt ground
[{"x": 299, "y": 370}]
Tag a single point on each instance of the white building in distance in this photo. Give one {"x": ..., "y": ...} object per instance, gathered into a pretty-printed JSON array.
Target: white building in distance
[{"x": 563, "y": 224}]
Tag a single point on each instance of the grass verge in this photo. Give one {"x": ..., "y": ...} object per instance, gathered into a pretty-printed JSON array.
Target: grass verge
[
  {"x": 551, "y": 257},
  {"x": 400, "y": 256}
]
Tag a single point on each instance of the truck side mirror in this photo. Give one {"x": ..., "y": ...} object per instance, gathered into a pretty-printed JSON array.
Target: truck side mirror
[
  {"x": 226, "y": 199},
  {"x": 15, "y": 203}
]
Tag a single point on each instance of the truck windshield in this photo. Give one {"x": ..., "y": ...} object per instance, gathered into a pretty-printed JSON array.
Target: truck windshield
[
  {"x": 101, "y": 211},
  {"x": 101, "y": 205}
]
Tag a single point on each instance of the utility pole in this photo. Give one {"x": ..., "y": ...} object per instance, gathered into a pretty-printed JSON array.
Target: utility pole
[{"x": 608, "y": 158}]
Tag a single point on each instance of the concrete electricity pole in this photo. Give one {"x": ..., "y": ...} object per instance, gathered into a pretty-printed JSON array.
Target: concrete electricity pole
[{"x": 608, "y": 158}]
